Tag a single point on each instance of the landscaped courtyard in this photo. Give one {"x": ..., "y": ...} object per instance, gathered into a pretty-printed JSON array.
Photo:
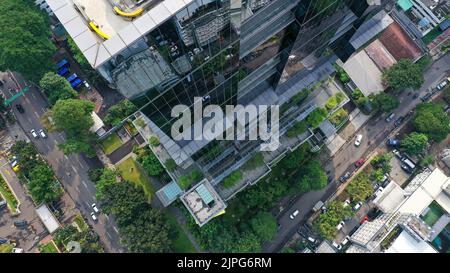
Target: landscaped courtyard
[
  {"x": 111, "y": 143},
  {"x": 50, "y": 247},
  {"x": 434, "y": 213},
  {"x": 131, "y": 171},
  {"x": 7, "y": 194}
]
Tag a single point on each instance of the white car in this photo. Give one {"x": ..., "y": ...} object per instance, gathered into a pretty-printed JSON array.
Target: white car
[
  {"x": 358, "y": 140},
  {"x": 94, "y": 207},
  {"x": 345, "y": 241},
  {"x": 337, "y": 246},
  {"x": 17, "y": 250},
  {"x": 295, "y": 213},
  {"x": 441, "y": 85},
  {"x": 94, "y": 217},
  {"x": 34, "y": 134},
  {"x": 357, "y": 206},
  {"x": 42, "y": 133},
  {"x": 346, "y": 203},
  {"x": 341, "y": 224}
]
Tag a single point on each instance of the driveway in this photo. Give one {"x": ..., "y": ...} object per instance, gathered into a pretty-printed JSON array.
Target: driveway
[
  {"x": 375, "y": 132},
  {"x": 71, "y": 170}
]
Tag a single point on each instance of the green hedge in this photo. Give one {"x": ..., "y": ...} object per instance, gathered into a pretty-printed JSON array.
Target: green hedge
[{"x": 232, "y": 179}]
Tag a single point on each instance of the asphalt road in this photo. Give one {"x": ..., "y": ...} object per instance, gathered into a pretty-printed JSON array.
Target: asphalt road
[
  {"x": 71, "y": 170},
  {"x": 375, "y": 132}
]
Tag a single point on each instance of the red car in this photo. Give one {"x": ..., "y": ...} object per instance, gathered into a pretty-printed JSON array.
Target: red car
[
  {"x": 364, "y": 219},
  {"x": 360, "y": 162}
]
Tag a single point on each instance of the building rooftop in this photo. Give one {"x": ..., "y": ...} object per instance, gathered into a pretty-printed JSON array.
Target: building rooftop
[
  {"x": 405, "y": 243},
  {"x": 203, "y": 202},
  {"x": 364, "y": 73},
  {"x": 103, "y": 28},
  {"x": 390, "y": 198},
  {"x": 46, "y": 216}
]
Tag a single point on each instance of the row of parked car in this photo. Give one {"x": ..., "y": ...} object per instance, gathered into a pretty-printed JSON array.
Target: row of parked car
[{"x": 63, "y": 68}]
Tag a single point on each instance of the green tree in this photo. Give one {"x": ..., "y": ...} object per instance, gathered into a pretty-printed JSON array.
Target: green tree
[
  {"x": 43, "y": 185},
  {"x": 142, "y": 228},
  {"x": 312, "y": 177},
  {"x": 56, "y": 87},
  {"x": 431, "y": 120},
  {"x": 74, "y": 116},
  {"x": 264, "y": 225},
  {"x": 326, "y": 223},
  {"x": 383, "y": 102},
  {"x": 120, "y": 111},
  {"x": 26, "y": 154},
  {"x": 107, "y": 177},
  {"x": 151, "y": 164},
  {"x": 383, "y": 162},
  {"x": 25, "y": 41},
  {"x": 404, "y": 74},
  {"x": 415, "y": 143},
  {"x": 247, "y": 243},
  {"x": 316, "y": 117},
  {"x": 360, "y": 187},
  {"x": 296, "y": 158}
]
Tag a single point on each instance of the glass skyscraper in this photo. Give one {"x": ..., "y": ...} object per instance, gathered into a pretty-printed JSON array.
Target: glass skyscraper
[{"x": 227, "y": 52}]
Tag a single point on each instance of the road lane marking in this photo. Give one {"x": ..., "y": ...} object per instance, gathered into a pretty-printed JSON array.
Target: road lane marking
[
  {"x": 75, "y": 170},
  {"x": 115, "y": 229},
  {"x": 65, "y": 156},
  {"x": 109, "y": 235},
  {"x": 29, "y": 120},
  {"x": 107, "y": 217},
  {"x": 36, "y": 114},
  {"x": 85, "y": 185}
]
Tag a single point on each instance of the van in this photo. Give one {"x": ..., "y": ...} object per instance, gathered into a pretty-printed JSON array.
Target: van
[
  {"x": 390, "y": 117},
  {"x": 3, "y": 204},
  {"x": 409, "y": 163}
]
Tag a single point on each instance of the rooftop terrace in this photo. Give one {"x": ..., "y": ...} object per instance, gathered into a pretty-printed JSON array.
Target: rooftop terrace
[{"x": 103, "y": 28}]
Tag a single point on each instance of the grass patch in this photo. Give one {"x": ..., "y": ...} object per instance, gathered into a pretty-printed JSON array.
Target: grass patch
[
  {"x": 8, "y": 195},
  {"x": 338, "y": 117},
  {"x": 79, "y": 221},
  {"x": 6, "y": 248},
  {"x": 181, "y": 244},
  {"x": 434, "y": 213},
  {"x": 232, "y": 179},
  {"x": 50, "y": 247},
  {"x": 111, "y": 143},
  {"x": 130, "y": 171}
]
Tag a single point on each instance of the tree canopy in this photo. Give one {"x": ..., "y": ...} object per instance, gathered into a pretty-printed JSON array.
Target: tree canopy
[
  {"x": 326, "y": 223},
  {"x": 404, "y": 74},
  {"x": 74, "y": 116},
  {"x": 25, "y": 41},
  {"x": 264, "y": 226},
  {"x": 312, "y": 177},
  {"x": 383, "y": 102},
  {"x": 415, "y": 143},
  {"x": 56, "y": 87},
  {"x": 431, "y": 120},
  {"x": 316, "y": 117},
  {"x": 120, "y": 111},
  {"x": 360, "y": 188}
]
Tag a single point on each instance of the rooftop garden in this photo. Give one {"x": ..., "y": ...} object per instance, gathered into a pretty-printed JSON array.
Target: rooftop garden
[
  {"x": 111, "y": 143},
  {"x": 130, "y": 171}
]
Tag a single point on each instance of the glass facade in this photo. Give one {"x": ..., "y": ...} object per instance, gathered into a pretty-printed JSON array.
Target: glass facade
[{"x": 228, "y": 52}]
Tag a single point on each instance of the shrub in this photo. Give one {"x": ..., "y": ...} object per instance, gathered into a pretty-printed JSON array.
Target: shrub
[
  {"x": 154, "y": 141},
  {"x": 232, "y": 179},
  {"x": 171, "y": 165},
  {"x": 297, "y": 129}
]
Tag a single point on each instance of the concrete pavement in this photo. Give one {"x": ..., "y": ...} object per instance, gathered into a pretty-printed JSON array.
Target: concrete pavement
[
  {"x": 71, "y": 170},
  {"x": 375, "y": 132}
]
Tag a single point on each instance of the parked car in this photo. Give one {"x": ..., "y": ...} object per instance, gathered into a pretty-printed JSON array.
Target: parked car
[
  {"x": 20, "y": 108},
  {"x": 397, "y": 154},
  {"x": 20, "y": 223},
  {"x": 345, "y": 177},
  {"x": 357, "y": 206},
  {"x": 426, "y": 97},
  {"x": 346, "y": 202},
  {"x": 17, "y": 250},
  {"x": 294, "y": 214},
  {"x": 3, "y": 241},
  {"x": 340, "y": 225},
  {"x": 94, "y": 217},
  {"x": 393, "y": 142},
  {"x": 406, "y": 168},
  {"x": 379, "y": 191},
  {"x": 337, "y": 246},
  {"x": 365, "y": 218},
  {"x": 390, "y": 117},
  {"x": 399, "y": 121},
  {"x": 441, "y": 85},
  {"x": 358, "y": 140},
  {"x": 42, "y": 133},
  {"x": 360, "y": 162},
  {"x": 345, "y": 241},
  {"x": 94, "y": 207},
  {"x": 34, "y": 134},
  {"x": 3, "y": 204}
]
